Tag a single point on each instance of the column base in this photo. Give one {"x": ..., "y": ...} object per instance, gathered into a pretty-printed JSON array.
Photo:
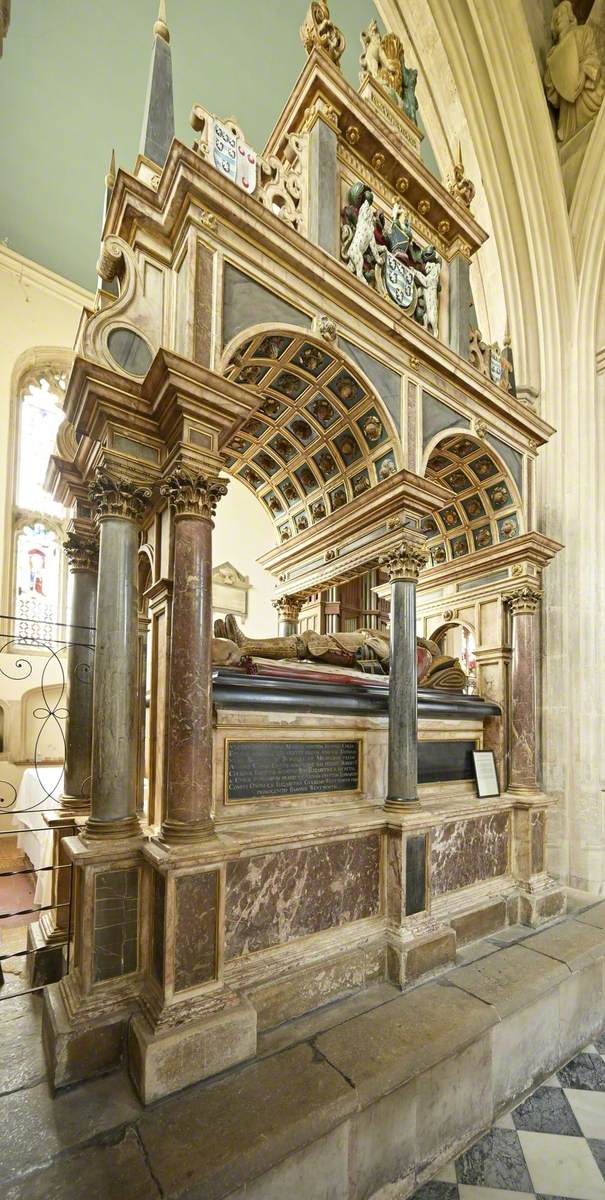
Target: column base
[
  {"x": 541, "y": 903},
  {"x": 184, "y": 832},
  {"x": 78, "y": 806},
  {"x": 419, "y": 949},
  {"x": 164, "y": 1060},
  {"x": 111, "y": 831},
  {"x": 80, "y": 1045},
  {"x": 45, "y": 944},
  {"x": 398, "y": 804}
]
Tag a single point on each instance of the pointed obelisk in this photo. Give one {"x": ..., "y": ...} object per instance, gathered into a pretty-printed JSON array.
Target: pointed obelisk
[
  {"x": 108, "y": 285},
  {"x": 158, "y": 119}
]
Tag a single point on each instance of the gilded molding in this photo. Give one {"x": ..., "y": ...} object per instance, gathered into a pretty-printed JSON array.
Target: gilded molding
[
  {"x": 192, "y": 495},
  {"x": 82, "y": 551},
  {"x": 523, "y": 600},
  {"x": 405, "y": 561},
  {"x": 118, "y": 498}
]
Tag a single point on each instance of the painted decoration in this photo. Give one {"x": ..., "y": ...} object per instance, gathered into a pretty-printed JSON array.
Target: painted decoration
[{"x": 233, "y": 157}]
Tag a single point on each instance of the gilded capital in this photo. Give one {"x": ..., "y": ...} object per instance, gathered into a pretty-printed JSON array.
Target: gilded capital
[
  {"x": 82, "y": 551},
  {"x": 405, "y": 561},
  {"x": 523, "y": 600},
  {"x": 118, "y": 498},
  {"x": 193, "y": 495},
  {"x": 289, "y": 607},
  {"x": 319, "y": 32}
]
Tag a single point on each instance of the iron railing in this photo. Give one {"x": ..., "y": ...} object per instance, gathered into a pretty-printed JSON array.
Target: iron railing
[{"x": 30, "y": 649}]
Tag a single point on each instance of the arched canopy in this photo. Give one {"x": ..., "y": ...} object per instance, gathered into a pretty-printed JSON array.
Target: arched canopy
[
  {"x": 486, "y": 507},
  {"x": 320, "y": 437}
]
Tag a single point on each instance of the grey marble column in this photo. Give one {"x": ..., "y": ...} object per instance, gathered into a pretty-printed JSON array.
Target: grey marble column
[
  {"x": 82, "y": 551},
  {"x": 193, "y": 497},
  {"x": 288, "y": 612},
  {"x": 119, "y": 505},
  {"x": 460, "y": 305},
  {"x": 523, "y": 759},
  {"x": 324, "y": 198},
  {"x": 403, "y": 566}
]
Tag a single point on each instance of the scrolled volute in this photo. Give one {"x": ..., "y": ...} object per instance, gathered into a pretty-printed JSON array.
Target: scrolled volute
[
  {"x": 118, "y": 498},
  {"x": 405, "y": 561},
  {"x": 318, "y": 31},
  {"x": 193, "y": 494}
]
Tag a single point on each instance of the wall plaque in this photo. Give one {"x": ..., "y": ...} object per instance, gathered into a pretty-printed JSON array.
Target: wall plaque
[{"x": 257, "y": 769}]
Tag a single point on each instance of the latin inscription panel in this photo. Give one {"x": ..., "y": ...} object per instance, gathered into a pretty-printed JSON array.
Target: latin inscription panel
[{"x": 258, "y": 769}]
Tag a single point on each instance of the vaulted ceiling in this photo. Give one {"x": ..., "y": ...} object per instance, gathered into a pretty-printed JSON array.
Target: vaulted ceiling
[{"x": 72, "y": 86}]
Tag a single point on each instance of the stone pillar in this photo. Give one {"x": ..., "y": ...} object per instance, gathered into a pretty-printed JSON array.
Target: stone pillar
[
  {"x": 193, "y": 498},
  {"x": 83, "y": 556},
  {"x": 403, "y": 565},
  {"x": 523, "y": 759},
  {"x": 119, "y": 506},
  {"x": 459, "y": 305},
  {"x": 288, "y": 612},
  {"x": 324, "y": 199}
]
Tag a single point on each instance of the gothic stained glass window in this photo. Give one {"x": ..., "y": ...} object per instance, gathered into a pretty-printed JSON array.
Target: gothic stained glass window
[{"x": 38, "y": 561}]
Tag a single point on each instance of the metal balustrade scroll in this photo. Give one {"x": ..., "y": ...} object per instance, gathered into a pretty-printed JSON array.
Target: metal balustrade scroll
[{"x": 31, "y": 649}]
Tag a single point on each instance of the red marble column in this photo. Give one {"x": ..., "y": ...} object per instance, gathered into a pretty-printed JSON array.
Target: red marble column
[
  {"x": 188, "y": 816},
  {"x": 524, "y": 765}
]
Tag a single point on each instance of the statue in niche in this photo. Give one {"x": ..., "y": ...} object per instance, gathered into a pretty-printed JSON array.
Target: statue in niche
[
  {"x": 383, "y": 59},
  {"x": 366, "y": 650},
  {"x": 574, "y": 78}
]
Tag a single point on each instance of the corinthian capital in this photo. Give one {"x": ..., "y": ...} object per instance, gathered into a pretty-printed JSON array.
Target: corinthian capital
[
  {"x": 82, "y": 551},
  {"x": 289, "y": 607},
  {"x": 118, "y": 498},
  {"x": 193, "y": 495},
  {"x": 524, "y": 599},
  {"x": 405, "y": 561}
]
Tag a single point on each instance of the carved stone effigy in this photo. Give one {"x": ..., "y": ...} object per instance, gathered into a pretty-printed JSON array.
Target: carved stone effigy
[
  {"x": 574, "y": 78},
  {"x": 247, "y": 339}
]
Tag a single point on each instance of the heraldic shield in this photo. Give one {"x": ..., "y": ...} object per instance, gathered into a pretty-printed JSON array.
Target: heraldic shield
[
  {"x": 399, "y": 282},
  {"x": 564, "y": 66},
  {"x": 233, "y": 157}
]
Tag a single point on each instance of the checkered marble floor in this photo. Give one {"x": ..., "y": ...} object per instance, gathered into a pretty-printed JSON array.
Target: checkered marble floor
[{"x": 550, "y": 1146}]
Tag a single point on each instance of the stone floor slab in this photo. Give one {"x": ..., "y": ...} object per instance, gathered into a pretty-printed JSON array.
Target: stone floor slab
[
  {"x": 105, "y": 1172},
  {"x": 593, "y": 916},
  {"x": 238, "y": 1127},
  {"x": 302, "y": 1028},
  {"x": 571, "y": 942},
  {"x": 22, "y": 1062},
  {"x": 41, "y": 1126},
  {"x": 511, "y": 979},
  {"x": 402, "y": 1038}
]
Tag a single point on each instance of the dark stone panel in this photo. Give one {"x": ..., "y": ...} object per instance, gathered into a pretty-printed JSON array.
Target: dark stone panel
[
  {"x": 246, "y": 303},
  {"x": 467, "y": 851},
  {"x": 440, "y": 761},
  {"x": 538, "y": 835},
  {"x": 437, "y": 416},
  {"x": 159, "y": 907},
  {"x": 386, "y": 381},
  {"x": 116, "y": 923},
  {"x": 512, "y": 458},
  {"x": 286, "y": 768},
  {"x": 274, "y": 898},
  {"x": 415, "y": 874},
  {"x": 196, "y": 919}
]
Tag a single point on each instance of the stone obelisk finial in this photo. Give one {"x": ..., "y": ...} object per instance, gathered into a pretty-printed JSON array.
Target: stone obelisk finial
[
  {"x": 108, "y": 285},
  {"x": 158, "y": 119}
]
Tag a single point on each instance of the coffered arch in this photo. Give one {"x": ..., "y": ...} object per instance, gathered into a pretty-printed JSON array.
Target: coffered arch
[{"x": 320, "y": 436}]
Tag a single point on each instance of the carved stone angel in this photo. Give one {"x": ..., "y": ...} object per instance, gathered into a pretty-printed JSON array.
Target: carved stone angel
[{"x": 575, "y": 76}]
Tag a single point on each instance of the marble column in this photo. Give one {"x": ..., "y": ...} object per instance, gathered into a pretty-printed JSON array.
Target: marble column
[
  {"x": 523, "y": 759},
  {"x": 288, "y": 612},
  {"x": 324, "y": 196},
  {"x": 193, "y": 498},
  {"x": 119, "y": 506},
  {"x": 82, "y": 552},
  {"x": 403, "y": 565}
]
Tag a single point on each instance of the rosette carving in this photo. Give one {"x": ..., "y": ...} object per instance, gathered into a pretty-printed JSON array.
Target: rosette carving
[
  {"x": 193, "y": 495},
  {"x": 118, "y": 498}
]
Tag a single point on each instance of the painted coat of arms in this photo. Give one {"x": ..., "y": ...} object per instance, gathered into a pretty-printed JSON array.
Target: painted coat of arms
[
  {"x": 232, "y": 156},
  {"x": 390, "y": 258}
]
